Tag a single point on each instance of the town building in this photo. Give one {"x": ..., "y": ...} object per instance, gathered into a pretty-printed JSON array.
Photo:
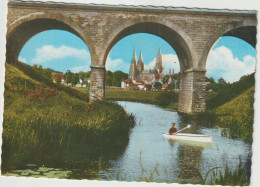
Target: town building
[
  {"x": 55, "y": 77},
  {"x": 148, "y": 76}
]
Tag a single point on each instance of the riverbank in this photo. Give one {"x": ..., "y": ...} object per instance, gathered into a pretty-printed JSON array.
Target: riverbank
[
  {"x": 44, "y": 125},
  {"x": 132, "y": 95},
  {"x": 151, "y": 158},
  {"x": 164, "y": 98},
  {"x": 233, "y": 113},
  {"x": 235, "y": 117}
]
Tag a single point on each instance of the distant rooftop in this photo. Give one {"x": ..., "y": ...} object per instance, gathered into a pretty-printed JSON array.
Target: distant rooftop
[{"x": 135, "y": 6}]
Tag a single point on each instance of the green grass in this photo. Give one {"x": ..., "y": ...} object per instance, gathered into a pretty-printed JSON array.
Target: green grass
[
  {"x": 227, "y": 92},
  {"x": 132, "y": 95},
  {"x": 44, "y": 124},
  {"x": 238, "y": 116},
  {"x": 151, "y": 97},
  {"x": 36, "y": 76}
]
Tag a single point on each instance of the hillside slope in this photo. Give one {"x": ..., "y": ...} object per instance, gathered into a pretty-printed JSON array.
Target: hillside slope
[
  {"x": 44, "y": 124},
  {"x": 238, "y": 115},
  {"x": 38, "y": 76},
  {"x": 223, "y": 93}
]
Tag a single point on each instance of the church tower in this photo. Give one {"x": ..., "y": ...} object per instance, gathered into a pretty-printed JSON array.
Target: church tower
[
  {"x": 158, "y": 65},
  {"x": 133, "y": 68},
  {"x": 140, "y": 65}
]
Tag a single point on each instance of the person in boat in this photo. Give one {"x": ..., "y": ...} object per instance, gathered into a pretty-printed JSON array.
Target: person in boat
[{"x": 173, "y": 129}]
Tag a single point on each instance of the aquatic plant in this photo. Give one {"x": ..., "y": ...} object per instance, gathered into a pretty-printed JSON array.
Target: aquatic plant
[{"x": 217, "y": 177}]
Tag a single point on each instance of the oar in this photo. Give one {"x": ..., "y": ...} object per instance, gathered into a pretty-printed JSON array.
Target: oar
[{"x": 188, "y": 126}]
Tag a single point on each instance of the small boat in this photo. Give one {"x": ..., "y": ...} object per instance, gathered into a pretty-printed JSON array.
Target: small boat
[{"x": 190, "y": 137}]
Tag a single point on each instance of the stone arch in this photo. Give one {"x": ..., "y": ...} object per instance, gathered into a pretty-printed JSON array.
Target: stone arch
[
  {"x": 22, "y": 29},
  {"x": 244, "y": 30},
  {"x": 168, "y": 31}
]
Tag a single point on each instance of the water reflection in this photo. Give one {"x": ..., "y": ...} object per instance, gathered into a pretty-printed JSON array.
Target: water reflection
[
  {"x": 189, "y": 162},
  {"x": 175, "y": 161},
  {"x": 178, "y": 161},
  {"x": 189, "y": 155}
]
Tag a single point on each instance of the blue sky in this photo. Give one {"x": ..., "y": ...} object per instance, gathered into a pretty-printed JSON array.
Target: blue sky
[{"x": 229, "y": 58}]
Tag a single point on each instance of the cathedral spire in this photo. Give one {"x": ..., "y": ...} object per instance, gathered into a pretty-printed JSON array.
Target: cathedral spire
[
  {"x": 140, "y": 62},
  {"x": 134, "y": 57},
  {"x": 133, "y": 67},
  {"x": 159, "y": 66}
]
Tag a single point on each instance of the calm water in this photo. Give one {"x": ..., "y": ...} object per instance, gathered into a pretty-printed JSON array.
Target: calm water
[
  {"x": 148, "y": 151},
  {"x": 174, "y": 161}
]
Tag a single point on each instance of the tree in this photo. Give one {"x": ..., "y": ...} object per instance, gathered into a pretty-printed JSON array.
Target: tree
[
  {"x": 75, "y": 79},
  {"x": 171, "y": 86},
  {"x": 48, "y": 73},
  {"x": 149, "y": 87},
  {"x": 118, "y": 76},
  {"x": 40, "y": 68},
  {"x": 211, "y": 80},
  {"x": 109, "y": 78},
  {"x": 35, "y": 67},
  {"x": 166, "y": 78},
  {"x": 158, "y": 86},
  {"x": 167, "y": 97},
  {"x": 68, "y": 75},
  {"x": 58, "y": 80},
  {"x": 222, "y": 81}
]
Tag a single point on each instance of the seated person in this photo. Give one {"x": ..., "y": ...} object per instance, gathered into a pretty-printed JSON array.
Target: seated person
[{"x": 173, "y": 129}]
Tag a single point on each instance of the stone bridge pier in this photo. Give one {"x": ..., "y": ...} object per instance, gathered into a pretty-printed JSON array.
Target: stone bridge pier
[{"x": 190, "y": 32}]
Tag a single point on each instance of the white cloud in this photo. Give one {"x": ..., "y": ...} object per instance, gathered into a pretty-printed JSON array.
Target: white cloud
[
  {"x": 222, "y": 63},
  {"x": 117, "y": 64},
  {"x": 77, "y": 69},
  {"x": 169, "y": 61},
  {"x": 48, "y": 52},
  {"x": 21, "y": 59}
]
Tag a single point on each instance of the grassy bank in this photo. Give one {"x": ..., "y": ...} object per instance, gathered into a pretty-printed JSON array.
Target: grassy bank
[
  {"x": 39, "y": 77},
  {"x": 233, "y": 113},
  {"x": 167, "y": 100},
  {"x": 132, "y": 95},
  {"x": 45, "y": 124},
  {"x": 238, "y": 116}
]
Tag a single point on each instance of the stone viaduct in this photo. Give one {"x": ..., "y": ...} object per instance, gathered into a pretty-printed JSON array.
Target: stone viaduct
[{"x": 191, "y": 32}]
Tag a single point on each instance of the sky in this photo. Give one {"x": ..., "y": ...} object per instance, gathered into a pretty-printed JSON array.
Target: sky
[{"x": 230, "y": 57}]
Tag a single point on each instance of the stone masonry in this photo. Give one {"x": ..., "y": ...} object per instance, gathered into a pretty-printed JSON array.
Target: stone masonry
[
  {"x": 192, "y": 33},
  {"x": 192, "y": 89}
]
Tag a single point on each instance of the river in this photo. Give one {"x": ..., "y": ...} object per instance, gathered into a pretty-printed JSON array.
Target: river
[
  {"x": 149, "y": 155},
  {"x": 171, "y": 161}
]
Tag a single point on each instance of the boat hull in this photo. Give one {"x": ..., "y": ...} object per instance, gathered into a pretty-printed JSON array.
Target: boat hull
[{"x": 190, "y": 137}]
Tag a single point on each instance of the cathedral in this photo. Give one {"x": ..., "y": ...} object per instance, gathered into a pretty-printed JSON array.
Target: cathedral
[{"x": 149, "y": 76}]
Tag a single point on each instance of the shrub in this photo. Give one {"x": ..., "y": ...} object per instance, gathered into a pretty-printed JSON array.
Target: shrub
[{"x": 165, "y": 98}]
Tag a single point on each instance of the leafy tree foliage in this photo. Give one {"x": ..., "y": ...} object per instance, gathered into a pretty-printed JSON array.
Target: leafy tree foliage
[
  {"x": 68, "y": 75},
  {"x": 75, "y": 79},
  {"x": 167, "y": 97},
  {"x": 158, "y": 85},
  {"x": 223, "y": 92},
  {"x": 109, "y": 78},
  {"x": 166, "y": 78},
  {"x": 149, "y": 87},
  {"x": 171, "y": 86},
  {"x": 46, "y": 73},
  {"x": 118, "y": 77},
  {"x": 58, "y": 80}
]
